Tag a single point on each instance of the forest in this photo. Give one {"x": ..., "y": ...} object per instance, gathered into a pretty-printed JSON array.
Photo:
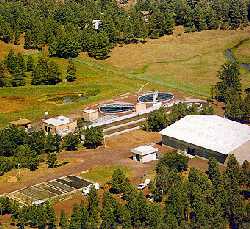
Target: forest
[
  {"x": 68, "y": 27},
  {"x": 181, "y": 197}
]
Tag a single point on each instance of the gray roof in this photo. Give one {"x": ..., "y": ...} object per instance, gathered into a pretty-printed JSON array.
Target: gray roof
[
  {"x": 58, "y": 121},
  {"x": 209, "y": 131},
  {"x": 144, "y": 150}
]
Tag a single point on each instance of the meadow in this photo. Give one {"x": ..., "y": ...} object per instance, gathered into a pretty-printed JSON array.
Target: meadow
[{"x": 180, "y": 63}]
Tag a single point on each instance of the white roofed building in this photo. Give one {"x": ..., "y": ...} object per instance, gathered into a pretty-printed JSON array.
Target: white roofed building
[
  {"x": 145, "y": 153},
  {"x": 209, "y": 135},
  {"x": 60, "y": 125}
]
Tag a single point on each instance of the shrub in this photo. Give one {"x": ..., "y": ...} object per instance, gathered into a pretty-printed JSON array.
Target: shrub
[{"x": 93, "y": 137}]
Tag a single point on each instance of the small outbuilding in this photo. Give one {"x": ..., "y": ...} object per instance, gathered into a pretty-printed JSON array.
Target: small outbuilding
[
  {"x": 22, "y": 122},
  {"x": 90, "y": 115},
  {"x": 60, "y": 125},
  {"x": 145, "y": 153},
  {"x": 209, "y": 136}
]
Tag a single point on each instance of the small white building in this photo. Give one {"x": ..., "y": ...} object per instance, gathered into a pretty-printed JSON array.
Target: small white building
[
  {"x": 60, "y": 125},
  {"x": 144, "y": 153},
  {"x": 96, "y": 24}
]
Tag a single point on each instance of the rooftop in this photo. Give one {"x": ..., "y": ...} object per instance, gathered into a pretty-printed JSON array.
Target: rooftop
[
  {"x": 57, "y": 121},
  {"x": 144, "y": 150},
  {"x": 21, "y": 122},
  {"x": 209, "y": 131}
]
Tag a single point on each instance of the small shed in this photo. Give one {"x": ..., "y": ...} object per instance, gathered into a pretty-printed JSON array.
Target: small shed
[
  {"x": 22, "y": 122},
  {"x": 90, "y": 115},
  {"x": 145, "y": 153},
  {"x": 96, "y": 24}
]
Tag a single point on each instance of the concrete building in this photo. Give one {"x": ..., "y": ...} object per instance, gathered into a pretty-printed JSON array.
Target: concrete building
[
  {"x": 60, "y": 125},
  {"x": 90, "y": 115},
  {"x": 144, "y": 153},
  {"x": 209, "y": 135}
]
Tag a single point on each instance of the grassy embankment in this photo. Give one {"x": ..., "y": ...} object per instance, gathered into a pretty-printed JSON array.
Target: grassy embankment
[{"x": 186, "y": 64}]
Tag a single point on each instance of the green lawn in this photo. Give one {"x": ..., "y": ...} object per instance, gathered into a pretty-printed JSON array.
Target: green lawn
[{"x": 103, "y": 174}]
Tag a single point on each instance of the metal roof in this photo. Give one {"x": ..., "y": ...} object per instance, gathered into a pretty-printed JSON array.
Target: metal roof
[
  {"x": 57, "y": 121},
  {"x": 209, "y": 131},
  {"x": 144, "y": 150}
]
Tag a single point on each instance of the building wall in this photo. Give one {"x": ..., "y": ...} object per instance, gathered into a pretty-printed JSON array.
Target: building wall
[
  {"x": 145, "y": 158},
  {"x": 148, "y": 158},
  {"x": 193, "y": 149},
  {"x": 69, "y": 128}
]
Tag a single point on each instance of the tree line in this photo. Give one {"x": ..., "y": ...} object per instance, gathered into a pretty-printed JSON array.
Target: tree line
[
  {"x": 160, "y": 119},
  {"x": 19, "y": 149},
  {"x": 67, "y": 26},
  {"x": 182, "y": 198},
  {"x": 229, "y": 91},
  {"x": 15, "y": 68}
]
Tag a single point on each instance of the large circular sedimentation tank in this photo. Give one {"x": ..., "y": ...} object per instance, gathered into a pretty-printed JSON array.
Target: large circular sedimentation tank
[
  {"x": 152, "y": 97},
  {"x": 114, "y": 108}
]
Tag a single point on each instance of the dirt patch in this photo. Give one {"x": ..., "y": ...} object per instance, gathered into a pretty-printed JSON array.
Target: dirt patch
[
  {"x": 68, "y": 203},
  {"x": 11, "y": 104}
]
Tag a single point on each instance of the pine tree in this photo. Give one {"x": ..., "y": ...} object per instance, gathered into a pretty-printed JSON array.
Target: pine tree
[
  {"x": 11, "y": 61},
  {"x": 54, "y": 75},
  {"x": 30, "y": 63},
  {"x": 71, "y": 72},
  {"x": 52, "y": 160},
  {"x": 2, "y": 74},
  {"x": 234, "y": 207},
  {"x": 52, "y": 143},
  {"x": 108, "y": 214},
  {"x": 229, "y": 77},
  {"x": 51, "y": 216},
  {"x": 124, "y": 217},
  {"x": 93, "y": 208},
  {"x": 40, "y": 72},
  {"x": 64, "y": 224},
  {"x": 99, "y": 46},
  {"x": 75, "y": 220},
  {"x": 18, "y": 78},
  {"x": 119, "y": 181},
  {"x": 214, "y": 172},
  {"x": 71, "y": 141}
]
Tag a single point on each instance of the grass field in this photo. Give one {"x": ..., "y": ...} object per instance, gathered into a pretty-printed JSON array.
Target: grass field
[
  {"x": 187, "y": 64},
  {"x": 103, "y": 174}
]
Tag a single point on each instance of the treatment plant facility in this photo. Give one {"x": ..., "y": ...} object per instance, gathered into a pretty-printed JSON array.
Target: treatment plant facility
[{"x": 209, "y": 136}]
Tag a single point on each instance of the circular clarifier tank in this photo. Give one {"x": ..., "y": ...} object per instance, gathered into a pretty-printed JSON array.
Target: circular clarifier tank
[
  {"x": 153, "y": 97},
  {"x": 115, "y": 108}
]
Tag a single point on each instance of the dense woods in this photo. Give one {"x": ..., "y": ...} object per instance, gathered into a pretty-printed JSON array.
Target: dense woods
[
  {"x": 71, "y": 26},
  {"x": 182, "y": 197}
]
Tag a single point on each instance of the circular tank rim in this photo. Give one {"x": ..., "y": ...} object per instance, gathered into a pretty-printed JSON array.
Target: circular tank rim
[
  {"x": 119, "y": 112},
  {"x": 149, "y": 93}
]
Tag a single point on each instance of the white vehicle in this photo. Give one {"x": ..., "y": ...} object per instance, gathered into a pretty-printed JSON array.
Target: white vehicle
[
  {"x": 143, "y": 185},
  {"x": 86, "y": 189}
]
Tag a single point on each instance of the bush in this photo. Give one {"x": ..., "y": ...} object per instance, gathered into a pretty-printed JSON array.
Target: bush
[
  {"x": 156, "y": 120},
  {"x": 173, "y": 161},
  {"x": 71, "y": 141},
  {"x": 93, "y": 137},
  {"x": 52, "y": 160},
  {"x": 119, "y": 182},
  {"x": 6, "y": 164}
]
